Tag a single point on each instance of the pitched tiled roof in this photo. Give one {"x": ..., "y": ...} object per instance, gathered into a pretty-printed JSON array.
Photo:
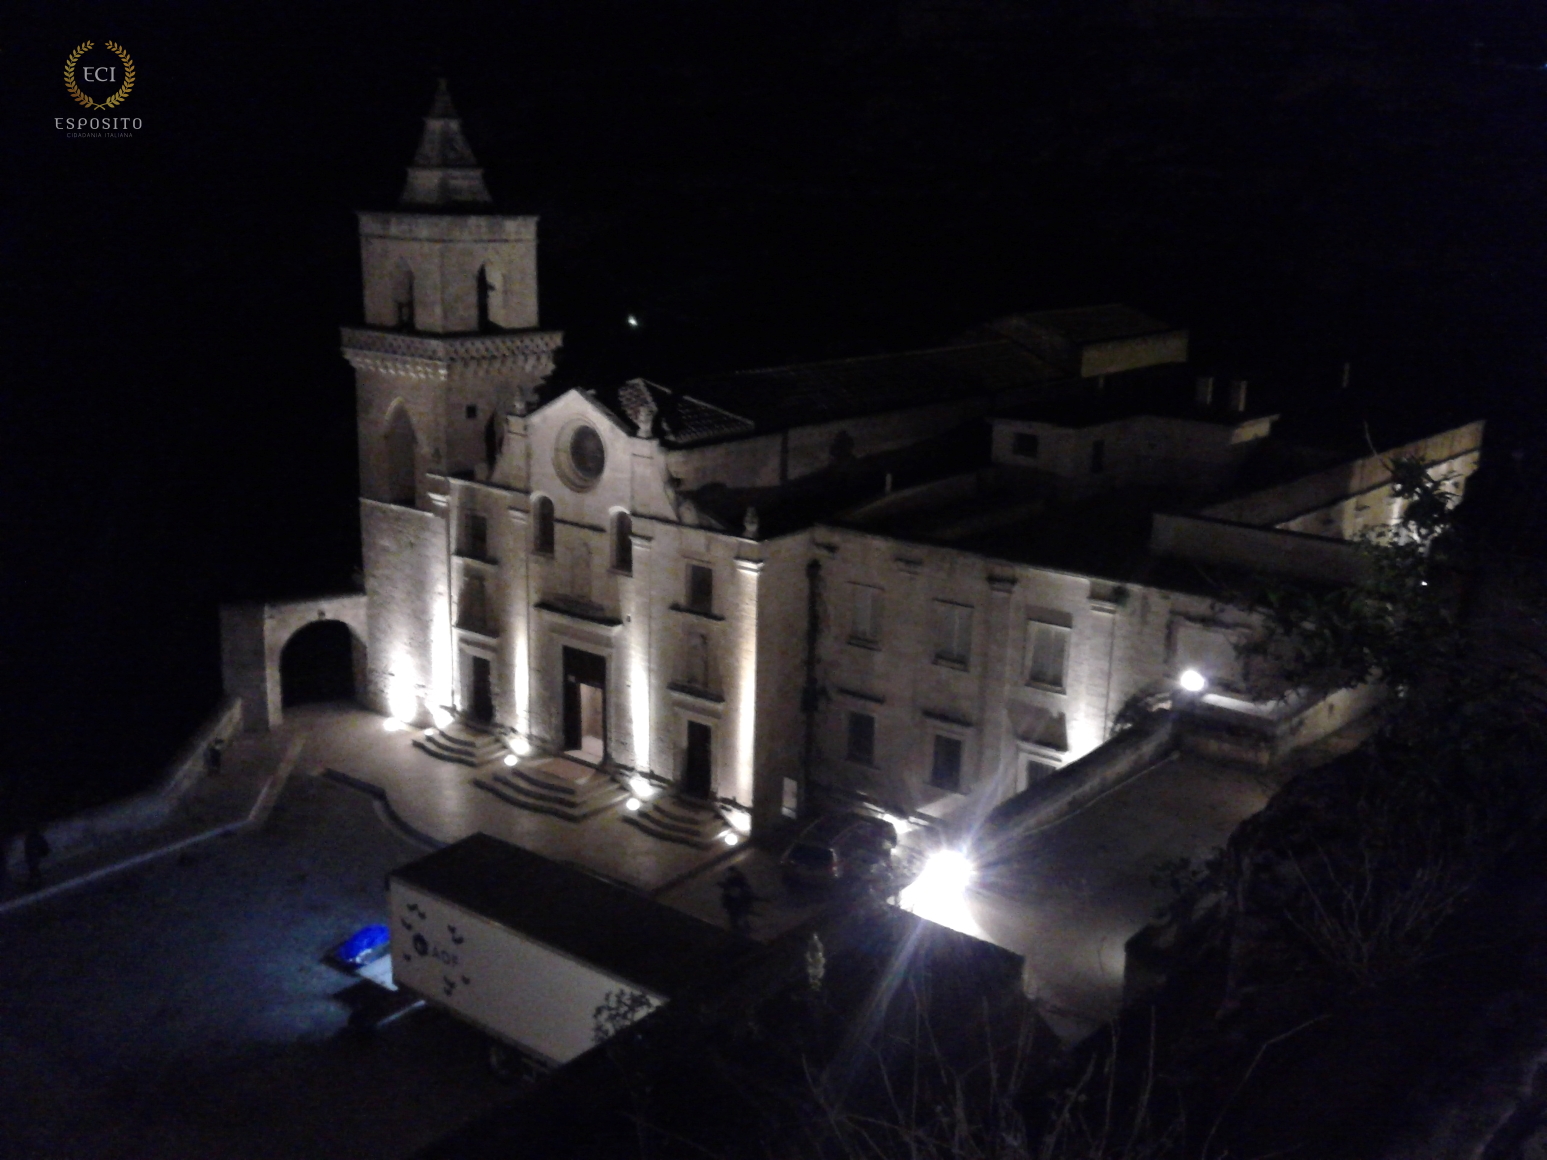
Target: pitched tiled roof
[{"x": 676, "y": 418}]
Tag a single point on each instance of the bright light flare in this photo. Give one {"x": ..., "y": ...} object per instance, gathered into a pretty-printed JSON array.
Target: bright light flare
[
  {"x": 632, "y": 805},
  {"x": 520, "y": 746},
  {"x": 511, "y": 759},
  {"x": 442, "y": 715},
  {"x": 1192, "y": 681},
  {"x": 393, "y": 725},
  {"x": 641, "y": 787},
  {"x": 730, "y": 837},
  {"x": 939, "y": 893}
]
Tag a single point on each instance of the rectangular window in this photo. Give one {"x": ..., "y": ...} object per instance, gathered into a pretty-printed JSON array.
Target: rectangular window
[
  {"x": 953, "y": 632},
  {"x": 862, "y": 738},
  {"x": 946, "y": 771},
  {"x": 1024, "y": 445},
  {"x": 1047, "y": 654},
  {"x": 475, "y": 536},
  {"x": 471, "y": 410},
  {"x": 865, "y": 627},
  {"x": 701, "y": 589},
  {"x": 474, "y": 608},
  {"x": 1098, "y": 456}
]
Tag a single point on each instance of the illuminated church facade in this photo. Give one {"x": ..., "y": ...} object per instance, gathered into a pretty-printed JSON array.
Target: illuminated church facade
[{"x": 923, "y": 579}]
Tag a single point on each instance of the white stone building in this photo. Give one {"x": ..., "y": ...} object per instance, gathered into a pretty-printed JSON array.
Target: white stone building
[{"x": 927, "y": 578}]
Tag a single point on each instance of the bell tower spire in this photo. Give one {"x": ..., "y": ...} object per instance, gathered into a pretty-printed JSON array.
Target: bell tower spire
[{"x": 444, "y": 171}]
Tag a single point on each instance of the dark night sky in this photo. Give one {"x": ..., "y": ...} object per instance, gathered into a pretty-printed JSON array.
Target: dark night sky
[{"x": 1297, "y": 182}]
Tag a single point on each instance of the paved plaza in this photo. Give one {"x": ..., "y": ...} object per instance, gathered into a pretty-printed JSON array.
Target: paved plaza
[{"x": 167, "y": 996}]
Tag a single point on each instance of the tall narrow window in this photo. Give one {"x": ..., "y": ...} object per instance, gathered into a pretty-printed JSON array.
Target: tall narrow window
[
  {"x": 953, "y": 633},
  {"x": 865, "y": 627},
  {"x": 401, "y": 452},
  {"x": 1098, "y": 456},
  {"x": 542, "y": 525},
  {"x": 1047, "y": 654},
  {"x": 862, "y": 738},
  {"x": 473, "y": 612},
  {"x": 488, "y": 288},
  {"x": 475, "y": 536},
  {"x": 701, "y": 589},
  {"x": 623, "y": 543},
  {"x": 945, "y": 772}
]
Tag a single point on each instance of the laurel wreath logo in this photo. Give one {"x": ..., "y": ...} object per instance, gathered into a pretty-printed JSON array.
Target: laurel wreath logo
[{"x": 74, "y": 90}]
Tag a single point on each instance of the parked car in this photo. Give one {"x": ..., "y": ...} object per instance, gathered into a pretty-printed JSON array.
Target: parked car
[{"x": 838, "y": 848}]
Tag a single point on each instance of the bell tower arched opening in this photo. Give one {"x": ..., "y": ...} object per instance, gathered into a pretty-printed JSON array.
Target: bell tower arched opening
[{"x": 402, "y": 451}]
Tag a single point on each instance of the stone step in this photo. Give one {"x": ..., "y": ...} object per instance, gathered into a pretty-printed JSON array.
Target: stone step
[
  {"x": 516, "y": 794},
  {"x": 684, "y": 821},
  {"x": 463, "y": 743},
  {"x": 445, "y": 752},
  {"x": 561, "y": 788}
]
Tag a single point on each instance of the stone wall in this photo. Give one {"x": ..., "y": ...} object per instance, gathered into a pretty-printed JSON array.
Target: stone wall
[{"x": 410, "y": 667}]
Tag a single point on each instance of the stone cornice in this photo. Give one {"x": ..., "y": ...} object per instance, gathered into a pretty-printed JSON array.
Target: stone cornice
[{"x": 433, "y": 356}]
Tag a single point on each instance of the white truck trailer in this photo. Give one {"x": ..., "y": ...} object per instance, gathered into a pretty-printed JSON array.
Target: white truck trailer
[{"x": 543, "y": 956}]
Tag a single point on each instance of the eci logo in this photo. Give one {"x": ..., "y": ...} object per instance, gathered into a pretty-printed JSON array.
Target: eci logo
[{"x": 99, "y": 79}]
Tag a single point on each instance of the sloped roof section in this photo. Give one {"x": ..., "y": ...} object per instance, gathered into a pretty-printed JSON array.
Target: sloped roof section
[
  {"x": 677, "y": 419},
  {"x": 1093, "y": 340},
  {"x": 778, "y": 398}
]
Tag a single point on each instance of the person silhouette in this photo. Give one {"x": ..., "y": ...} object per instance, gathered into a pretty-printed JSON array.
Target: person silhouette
[{"x": 737, "y": 897}]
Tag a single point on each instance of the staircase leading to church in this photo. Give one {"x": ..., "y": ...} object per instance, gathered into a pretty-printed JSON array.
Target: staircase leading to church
[
  {"x": 555, "y": 786},
  {"x": 464, "y": 743},
  {"x": 685, "y": 820}
]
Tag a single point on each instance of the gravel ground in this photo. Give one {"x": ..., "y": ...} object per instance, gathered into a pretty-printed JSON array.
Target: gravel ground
[{"x": 183, "y": 1010}]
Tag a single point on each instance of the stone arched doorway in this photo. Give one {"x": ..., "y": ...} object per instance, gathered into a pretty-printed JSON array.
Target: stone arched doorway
[
  {"x": 283, "y": 652},
  {"x": 318, "y": 663}
]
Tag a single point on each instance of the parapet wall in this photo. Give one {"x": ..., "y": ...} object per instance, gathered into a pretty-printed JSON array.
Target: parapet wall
[
  {"x": 1448, "y": 453},
  {"x": 1216, "y": 541}
]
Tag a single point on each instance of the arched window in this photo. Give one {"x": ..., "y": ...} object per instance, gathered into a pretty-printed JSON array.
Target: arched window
[
  {"x": 403, "y": 297},
  {"x": 542, "y": 525},
  {"x": 623, "y": 543},
  {"x": 402, "y": 451}
]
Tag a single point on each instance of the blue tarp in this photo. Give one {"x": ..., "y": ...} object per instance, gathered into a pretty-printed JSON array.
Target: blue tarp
[{"x": 362, "y": 946}]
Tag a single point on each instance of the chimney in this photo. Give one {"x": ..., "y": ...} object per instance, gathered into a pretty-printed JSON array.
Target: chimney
[
  {"x": 1237, "y": 396},
  {"x": 1204, "y": 391}
]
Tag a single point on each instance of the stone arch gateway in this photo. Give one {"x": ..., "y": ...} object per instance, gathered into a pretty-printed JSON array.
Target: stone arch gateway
[{"x": 253, "y": 639}]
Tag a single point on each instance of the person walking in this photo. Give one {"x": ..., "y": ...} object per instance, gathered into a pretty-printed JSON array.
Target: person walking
[
  {"x": 737, "y": 897},
  {"x": 34, "y": 849}
]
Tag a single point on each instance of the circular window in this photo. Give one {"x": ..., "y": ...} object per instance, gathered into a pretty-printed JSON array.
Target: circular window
[{"x": 581, "y": 457}]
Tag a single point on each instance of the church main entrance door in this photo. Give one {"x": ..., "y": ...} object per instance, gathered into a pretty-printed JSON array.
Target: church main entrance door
[
  {"x": 585, "y": 704},
  {"x": 697, "y": 776},
  {"x": 478, "y": 696}
]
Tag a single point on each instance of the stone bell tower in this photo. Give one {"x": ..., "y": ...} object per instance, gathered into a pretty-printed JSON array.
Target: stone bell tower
[
  {"x": 450, "y": 338},
  {"x": 449, "y": 347}
]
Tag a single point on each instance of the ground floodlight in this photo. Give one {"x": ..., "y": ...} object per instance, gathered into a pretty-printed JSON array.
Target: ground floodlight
[{"x": 1192, "y": 681}]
